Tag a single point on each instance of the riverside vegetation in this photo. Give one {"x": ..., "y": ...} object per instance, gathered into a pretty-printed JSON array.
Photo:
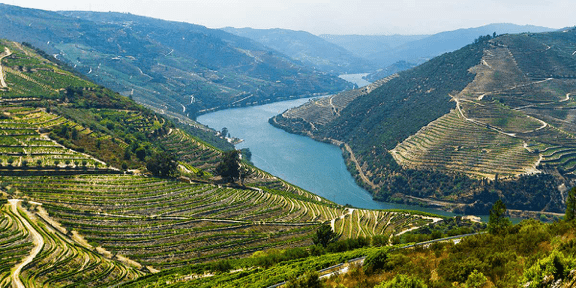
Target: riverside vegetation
[{"x": 97, "y": 190}]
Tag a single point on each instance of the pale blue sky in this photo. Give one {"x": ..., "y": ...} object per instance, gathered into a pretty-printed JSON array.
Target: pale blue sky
[{"x": 336, "y": 16}]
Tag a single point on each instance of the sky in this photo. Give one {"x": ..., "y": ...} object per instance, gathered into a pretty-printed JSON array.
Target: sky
[{"x": 367, "y": 17}]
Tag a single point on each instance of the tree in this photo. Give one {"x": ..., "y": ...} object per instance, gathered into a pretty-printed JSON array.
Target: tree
[
  {"x": 375, "y": 261},
  {"x": 476, "y": 280},
  {"x": 140, "y": 153},
  {"x": 308, "y": 280},
  {"x": 162, "y": 164},
  {"x": 127, "y": 154},
  {"x": 403, "y": 281},
  {"x": 324, "y": 235},
  {"x": 224, "y": 132},
  {"x": 229, "y": 166},
  {"x": 570, "y": 205},
  {"x": 497, "y": 223}
]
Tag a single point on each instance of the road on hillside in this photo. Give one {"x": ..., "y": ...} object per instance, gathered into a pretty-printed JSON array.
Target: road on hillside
[
  {"x": 37, "y": 240},
  {"x": 344, "y": 267}
]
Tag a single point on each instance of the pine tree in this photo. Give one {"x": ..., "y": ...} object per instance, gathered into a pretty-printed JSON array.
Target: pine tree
[
  {"x": 498, "y": 223},
  {"x": 570, "y": 205}
]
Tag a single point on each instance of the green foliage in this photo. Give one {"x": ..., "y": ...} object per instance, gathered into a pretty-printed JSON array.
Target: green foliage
[
  {"x": 403, "y": 281},
  {"x": 348, "y": 244},
  {"x": 229, "y": 167},
  {"x": 375, "y": 261},
  {"x": 546, "y": 271},
  {"x": 221, "y": 266},
  {"x": 446, "y": 228},
  {"x": 163, "y": 165},
  {"x": 476, "y": 280},
  {"x": 497, "y": 222},
  {"x": 570, "y": 205},
  {"x": 308, "y": 280},
  {"x": 324, "y": 235}
]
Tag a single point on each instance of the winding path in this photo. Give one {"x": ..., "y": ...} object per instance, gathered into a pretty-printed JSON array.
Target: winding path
[
  {"x": 358, "y": 167},
  {"x": 4, "y": 54},
  {"x": 38, "y": 244}
]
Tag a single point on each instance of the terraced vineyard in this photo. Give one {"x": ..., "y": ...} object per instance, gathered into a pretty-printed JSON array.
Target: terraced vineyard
[
  {"x": 16, "y": 243},
  {"x": 23, "y": 145},
  {"x": 161, "y": 224},
  {"x": 191, "y": 151},
  {"x": 56, "y": 260},
  {"x": 501, "y": 106},
  {"x": 321, "y": 111},
  {"x": 453, "y": 143}
]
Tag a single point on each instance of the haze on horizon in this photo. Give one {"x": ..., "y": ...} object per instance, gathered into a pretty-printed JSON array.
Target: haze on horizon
[{"x": 334, "y": 16}]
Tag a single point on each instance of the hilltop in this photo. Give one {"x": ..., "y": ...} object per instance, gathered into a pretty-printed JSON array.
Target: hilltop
[
  {"x": 491, "y": 120},
  {"x": 97, "y": 190},
  {"x": 171, "y": 67}
]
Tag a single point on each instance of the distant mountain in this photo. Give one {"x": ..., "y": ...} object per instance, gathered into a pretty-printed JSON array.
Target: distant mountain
[
  {"x": 366, "y": 45},
  {"x": 492, "y": 120},
  {"x": 311, "y": 50},
  {"x": 169, "y": 66},
  {"x": 421, "y": 50}
]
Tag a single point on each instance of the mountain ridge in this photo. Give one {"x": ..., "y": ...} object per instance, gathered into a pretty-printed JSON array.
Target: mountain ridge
[
  {"x": 307, "y": 48},
  {"x": 176, "y": 66}
]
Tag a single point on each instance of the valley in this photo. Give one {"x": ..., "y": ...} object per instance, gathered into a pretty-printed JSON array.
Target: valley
[
  {"x": 309, "y": 164},
  {"x": 76, "y": 214},
  {"x": 141, "y": 152}
]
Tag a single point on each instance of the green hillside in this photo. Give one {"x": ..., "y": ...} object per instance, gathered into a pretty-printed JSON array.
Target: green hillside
[
  {"x": 528, "y": 254},
  {"x": 80, "y": 205},
  {"x": 171, "y": 67},
  {"x": 491, "y": 120}
]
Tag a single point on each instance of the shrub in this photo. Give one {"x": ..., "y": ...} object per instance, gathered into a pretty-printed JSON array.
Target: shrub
[
  {"x": 375, "y": 261},
  {"x": 308, "y": 280},
  {"x": 402, "y": 281},
  {"x": 545, "y": 271}
]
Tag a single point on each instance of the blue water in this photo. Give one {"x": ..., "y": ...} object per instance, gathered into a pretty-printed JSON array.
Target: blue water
[
  {"x": 356, "y": 79},
  {"x": 315, "y": 166}
]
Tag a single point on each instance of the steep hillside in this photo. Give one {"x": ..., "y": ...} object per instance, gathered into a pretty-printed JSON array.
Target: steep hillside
[
  {"x": 453, "y": 128},
  {"x": 168, "y": 66},
  {"x": 309, "y": 49},
  {"x": 79, "y": 205}
]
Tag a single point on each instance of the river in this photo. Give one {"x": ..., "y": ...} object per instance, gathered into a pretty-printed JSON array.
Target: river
[
  {"x": 356, "y": 79},
  {"x": 315, "y": 166}
]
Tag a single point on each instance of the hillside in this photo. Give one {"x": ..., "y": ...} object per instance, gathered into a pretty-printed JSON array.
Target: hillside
[
  {"x": 167, "y": 66},
  {"x": 311, "y": 50},
  {"x": 491, "y": 120},
  {"x": 529, "y": 254},
  {"x": 80, "y": 205}
]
